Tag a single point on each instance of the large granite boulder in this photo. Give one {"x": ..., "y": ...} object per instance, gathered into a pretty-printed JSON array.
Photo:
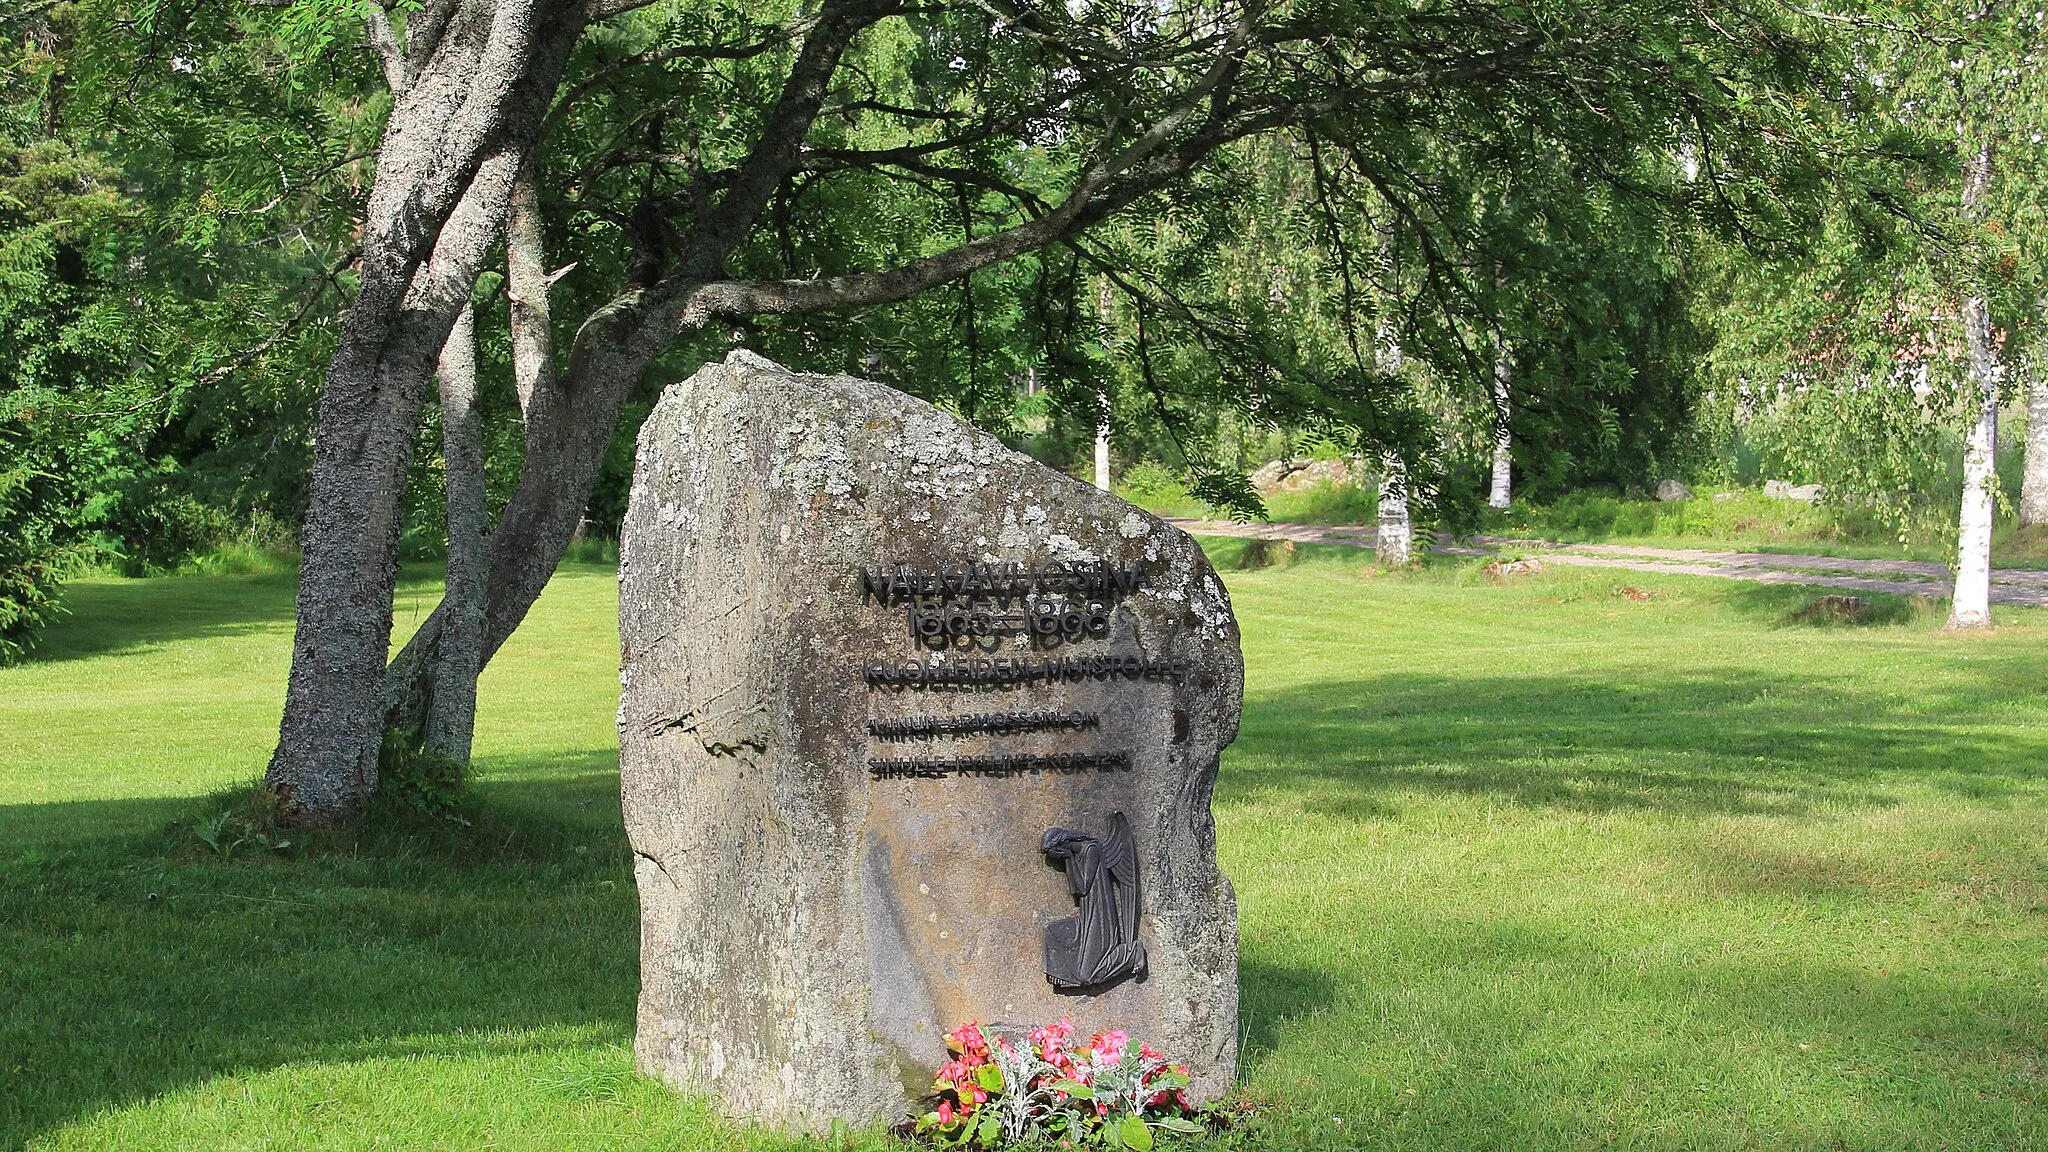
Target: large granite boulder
[{"x": 914, "y": 731}]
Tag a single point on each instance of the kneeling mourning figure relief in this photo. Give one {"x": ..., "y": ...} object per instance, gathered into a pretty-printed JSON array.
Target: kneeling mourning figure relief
[{"x": 1101, "y": 945}]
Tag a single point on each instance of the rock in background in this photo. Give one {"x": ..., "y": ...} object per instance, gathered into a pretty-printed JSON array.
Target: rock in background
[
  {"x": 1303, "y": 472},
  {"x": 1786, "y": 490},
  {"x": 807, "y": 931}
]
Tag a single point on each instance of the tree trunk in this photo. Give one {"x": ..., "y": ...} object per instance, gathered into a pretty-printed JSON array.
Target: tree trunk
[
  {"x": 1502, "y": 494},
  {"x": 526, "y": 290},
  {"x": 570, "y": 422},
  {"x": 1970, "y": 607},
  {"x": 451, "y": 713},
  {"x": 2034, "y": 488},
  {"x": 1396, "y": 541},
  {"x": 571, "y": 417},
  {"x": 325, "y": 765},
  {"x": 1103, "y": 301},
  {"x": 1102, "y": 447},
  {"x": 444, "y": 170}
]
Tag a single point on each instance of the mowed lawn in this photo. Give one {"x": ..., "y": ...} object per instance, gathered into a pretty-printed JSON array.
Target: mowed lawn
[{"x": 1524, "y": 866}]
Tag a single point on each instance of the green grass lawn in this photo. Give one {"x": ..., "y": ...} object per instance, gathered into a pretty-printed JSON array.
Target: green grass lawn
[{"x": 1520, "y": 866}]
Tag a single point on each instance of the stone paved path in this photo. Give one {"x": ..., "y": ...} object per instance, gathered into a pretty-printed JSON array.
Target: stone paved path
[{"x": 1912, "y": 577}]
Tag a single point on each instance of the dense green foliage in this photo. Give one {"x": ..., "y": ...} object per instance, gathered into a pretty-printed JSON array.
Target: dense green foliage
[
  {"x": 1848, "y": 366},
  {"x": 1738, "y": 257},
  {"x": 169, "y": 233},
  {"x": 1669, "y": 872}
]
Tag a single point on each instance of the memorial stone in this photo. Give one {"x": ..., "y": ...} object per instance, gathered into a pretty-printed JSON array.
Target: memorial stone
[{"x": 913, "y": 731}]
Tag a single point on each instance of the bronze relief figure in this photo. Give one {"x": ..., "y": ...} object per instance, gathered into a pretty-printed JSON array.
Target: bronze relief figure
[{"x": 1100, "y": 945}]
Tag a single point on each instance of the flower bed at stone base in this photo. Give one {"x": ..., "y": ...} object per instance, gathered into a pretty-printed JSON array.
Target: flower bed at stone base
[{"x": 1044, "y": 1089}]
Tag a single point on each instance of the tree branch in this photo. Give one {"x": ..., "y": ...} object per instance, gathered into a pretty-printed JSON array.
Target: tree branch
[
  {"x": 653, "y": 56},
  {"x": 390, "y": 53},
  {"x": 720, "y": 228},
  {"x": 1095, "y": 196}
]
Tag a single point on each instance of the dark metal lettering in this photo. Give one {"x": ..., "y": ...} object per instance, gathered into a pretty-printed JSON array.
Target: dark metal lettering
[
  {"x": 928, "y": 727},
  {"x": 900, "y": 582},
  {"x": 1016, "y": 671},
  {"x": 1020, "y": 764}
]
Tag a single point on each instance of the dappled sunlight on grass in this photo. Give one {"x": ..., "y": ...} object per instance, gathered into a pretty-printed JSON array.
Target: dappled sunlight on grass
[
  {"x": 1577, "y": 870},
  {"x": 1525, "y": 864}
]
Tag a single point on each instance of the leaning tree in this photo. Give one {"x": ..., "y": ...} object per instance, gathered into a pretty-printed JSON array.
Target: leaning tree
[{"x": 706, "y": 169}]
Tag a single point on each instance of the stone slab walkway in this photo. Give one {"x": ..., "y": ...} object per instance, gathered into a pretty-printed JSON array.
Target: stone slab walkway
[{"x": 1910, "y": 577}]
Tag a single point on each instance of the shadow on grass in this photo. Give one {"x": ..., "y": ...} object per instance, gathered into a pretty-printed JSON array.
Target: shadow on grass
[
  {"x": 113, "y": 615},
  {"x": 109, "y": 614},
  {"x": 134, "y": 968},
  {"x": 1797, "y": 606},
  {"x": 1272, "y": 995},
  {"x": 1715, "y": 741},
  {"x": 141, "y": 966}
]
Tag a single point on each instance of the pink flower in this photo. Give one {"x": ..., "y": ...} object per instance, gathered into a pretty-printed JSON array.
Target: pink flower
[
  {"x": 945, "y": 1111},
  {"x": 1109, "y": 1046},
  {"x": 969, "y": 1041}
]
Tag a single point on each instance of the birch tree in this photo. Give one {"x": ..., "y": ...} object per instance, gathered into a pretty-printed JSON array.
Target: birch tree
[
  {"x": 2033, "y": 510},
  {"x": 1896, "y": 319},
  {"x": 1970, "y": 605},
  {"x": 1500, "y": 494},
  {"x": 1394, "y": 538}
]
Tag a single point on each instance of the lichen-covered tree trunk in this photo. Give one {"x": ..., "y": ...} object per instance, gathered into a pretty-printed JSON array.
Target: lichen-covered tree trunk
[
  {"x": 570, "y": 418},
  {"x": 1970, "y": 607},
  {"x": 453, "y": 144},
  {"x": 451, "y": 713},
  {"x": 529, "y": 315}
]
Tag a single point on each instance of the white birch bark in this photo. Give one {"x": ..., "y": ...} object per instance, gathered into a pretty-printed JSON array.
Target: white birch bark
[
  {"x": 1502, "y": 494},
  {"x": 1970, "y": 606},
  {"x": 2034, "y": 487},
  {"x": 1395, "y": 541},
  {"x": 1102, "y": 310}
]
